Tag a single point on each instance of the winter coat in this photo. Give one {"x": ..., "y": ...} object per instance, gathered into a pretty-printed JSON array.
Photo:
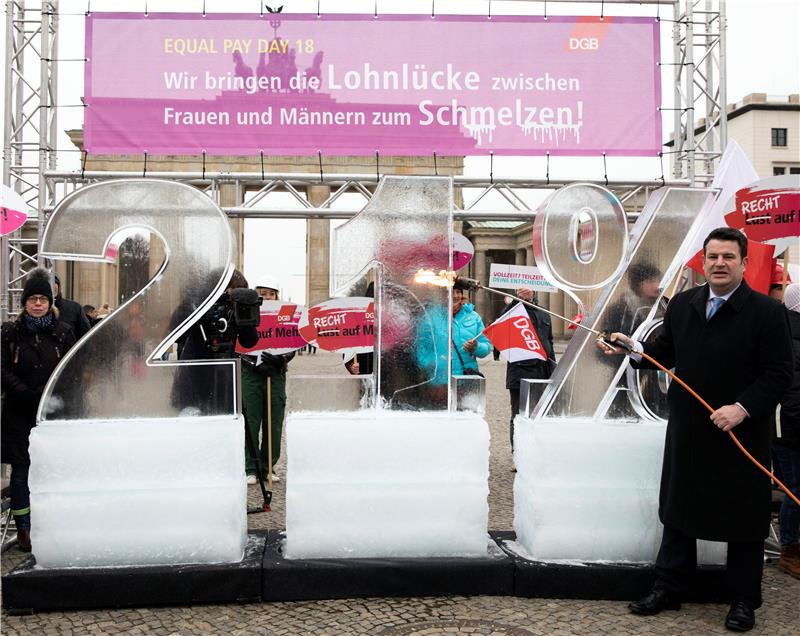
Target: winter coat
[
  {"x": 71, "y": 313},
  {"x": 27, "y": 362},
  {"x": 709, "y": 489},
  {"x": 432, "y": 345},
  {"x": 790, "y": 403},
  {"x": 533, "y": 369}
]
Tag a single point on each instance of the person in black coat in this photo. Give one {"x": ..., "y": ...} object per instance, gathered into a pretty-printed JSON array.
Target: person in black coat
[
  {"x": 732, "y": 346},
  {"x": 71, "y": 312},
  {"x": 206, "y": 390},
  {"x": 32, "y": 346},
  {"x": 529, "y": 369},
  {"x": 786, "y": 447}
]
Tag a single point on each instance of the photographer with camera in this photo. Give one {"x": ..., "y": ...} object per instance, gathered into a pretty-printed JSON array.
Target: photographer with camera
[
  {"x": 264, "y": 397},
  {"x": 233, "y": 317}
]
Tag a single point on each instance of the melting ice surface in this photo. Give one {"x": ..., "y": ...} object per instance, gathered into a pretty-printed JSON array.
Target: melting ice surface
[
  {"x": 587, "y": 490},
  {"x": 138, "y": 492},
  {"x": 386, "y": 484}
]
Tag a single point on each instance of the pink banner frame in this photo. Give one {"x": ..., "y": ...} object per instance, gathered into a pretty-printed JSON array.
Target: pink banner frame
[{"x": 239, "y": 84}]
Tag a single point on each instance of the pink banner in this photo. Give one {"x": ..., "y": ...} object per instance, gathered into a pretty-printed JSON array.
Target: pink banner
[
  {"x": 278, "y": 330},
  {"x": 340, "y": 324},
  {"x": 354, "y": 84}
]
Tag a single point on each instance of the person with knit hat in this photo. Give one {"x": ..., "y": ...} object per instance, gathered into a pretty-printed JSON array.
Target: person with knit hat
[
  {"x": 786, "y": 446},
  {"x": 32, "y": 346}
]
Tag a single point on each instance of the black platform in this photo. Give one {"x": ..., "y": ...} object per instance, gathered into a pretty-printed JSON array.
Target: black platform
[
  {"x": 599, "y": 581},
  {"x": 26, "y": 589},
  {"x": 264, "y": 575},
  {"x": 313, "y": 579}
]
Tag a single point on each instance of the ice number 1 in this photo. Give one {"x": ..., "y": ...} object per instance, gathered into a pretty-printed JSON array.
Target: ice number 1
[
  {"x": 116, "y": 370},
  {"x": 407, "y": 225}
]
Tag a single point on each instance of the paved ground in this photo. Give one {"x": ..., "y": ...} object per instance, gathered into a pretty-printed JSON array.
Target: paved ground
[{"x": 493, "y": 616}]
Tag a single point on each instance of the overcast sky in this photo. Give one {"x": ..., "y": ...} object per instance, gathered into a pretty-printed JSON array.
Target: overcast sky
[{"x": 763, "y": 55}]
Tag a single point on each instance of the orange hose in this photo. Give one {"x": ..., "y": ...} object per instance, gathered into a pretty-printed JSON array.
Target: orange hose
[{"x": 733, "y": 437}]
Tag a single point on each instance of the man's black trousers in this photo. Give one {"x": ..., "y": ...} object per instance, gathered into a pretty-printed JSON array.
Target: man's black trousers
[{"x": 677, "y": 562}]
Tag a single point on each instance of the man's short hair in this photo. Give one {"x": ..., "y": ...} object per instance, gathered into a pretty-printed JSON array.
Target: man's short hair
[
  {"x": 640, "y": 272},
  {"x": 727, "y": 234},
  {"x": 88, "y": 308}
]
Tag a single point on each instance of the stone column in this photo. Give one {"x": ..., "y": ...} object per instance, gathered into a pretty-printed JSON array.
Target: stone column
[
  {"x": 318, "y": 249},
  {"x": 519, "y": 257},
  {"x": 481, "y": 299},
  {"x": 230, "y": 195}
]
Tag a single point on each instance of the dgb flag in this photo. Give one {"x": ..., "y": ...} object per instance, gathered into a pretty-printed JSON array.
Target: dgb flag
[{"x": 514, "y": 336}]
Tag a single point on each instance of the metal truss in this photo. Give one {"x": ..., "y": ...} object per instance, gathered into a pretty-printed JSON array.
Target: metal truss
[
  {"x": 30, "y": 130},
  {"x": 699, "y": 35},
  {"x": 29, "y": 156},
  {"x": 508, "y": 203}
]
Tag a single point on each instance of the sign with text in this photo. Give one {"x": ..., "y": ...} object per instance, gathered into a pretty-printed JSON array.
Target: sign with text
[
  {"x": 516, "y": 276},
  {"x": 344, "y": 84},
  {"x": 768, "y": 211},
  {"x": 340, "y": 324},
  {"x": 278, "y": 331}
]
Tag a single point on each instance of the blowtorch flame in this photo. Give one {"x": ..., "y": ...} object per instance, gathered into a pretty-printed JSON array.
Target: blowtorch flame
[{"x": 428, "y": 277}]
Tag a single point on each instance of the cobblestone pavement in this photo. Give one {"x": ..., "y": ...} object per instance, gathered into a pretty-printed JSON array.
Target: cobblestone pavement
[{"x": 490, "y": 616}]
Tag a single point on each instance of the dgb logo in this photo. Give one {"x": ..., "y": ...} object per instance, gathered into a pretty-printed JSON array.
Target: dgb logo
[{"x": 584, "y": 44}]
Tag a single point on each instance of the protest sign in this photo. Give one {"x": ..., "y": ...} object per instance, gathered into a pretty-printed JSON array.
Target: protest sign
[
  {"x": 516, "y": 276},
  {"x": 278, "y": 330},
  {"x": 340, "y": 324}
]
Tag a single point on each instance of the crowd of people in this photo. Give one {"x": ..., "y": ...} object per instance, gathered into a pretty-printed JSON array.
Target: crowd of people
[{"x": 738, "y": 348}]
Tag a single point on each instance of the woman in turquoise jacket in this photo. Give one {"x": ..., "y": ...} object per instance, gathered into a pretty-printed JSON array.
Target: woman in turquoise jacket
[{"x": 467, "y": 337}]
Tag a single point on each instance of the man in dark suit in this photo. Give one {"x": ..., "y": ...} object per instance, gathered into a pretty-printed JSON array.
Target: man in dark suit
[{"x": 732, "y": 346}]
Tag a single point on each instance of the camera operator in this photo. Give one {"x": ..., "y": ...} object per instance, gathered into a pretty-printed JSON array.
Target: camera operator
[{"x": 235, "y": 316}]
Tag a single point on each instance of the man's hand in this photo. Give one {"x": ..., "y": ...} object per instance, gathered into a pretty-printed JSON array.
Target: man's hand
[
  {"x": 614, "y": 351},
  {"x": 471, "y": 345},
  {"x": 523, "y": 293},
  {"x": 728, "y": 416}
]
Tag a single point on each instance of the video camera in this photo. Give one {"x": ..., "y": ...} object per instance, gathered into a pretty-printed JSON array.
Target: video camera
[{"x": 234, "y": 310}]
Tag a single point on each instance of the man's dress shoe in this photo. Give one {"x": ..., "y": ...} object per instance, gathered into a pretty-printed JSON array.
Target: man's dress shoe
[
  {"x": 741, "y": 617},
  {"x": 655, "y": 601}
]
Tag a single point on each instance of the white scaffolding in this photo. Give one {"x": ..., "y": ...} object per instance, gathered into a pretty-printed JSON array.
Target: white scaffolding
[{"x": 30, "y": 133}]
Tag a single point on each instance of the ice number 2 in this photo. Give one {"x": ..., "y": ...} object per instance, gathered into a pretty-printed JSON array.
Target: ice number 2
[
  {"x": 116, "y": 370},
  {"x": 600, "y": 268}
]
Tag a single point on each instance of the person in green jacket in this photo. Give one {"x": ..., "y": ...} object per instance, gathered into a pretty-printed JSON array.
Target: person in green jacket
[{"x": 259, "y": 372}]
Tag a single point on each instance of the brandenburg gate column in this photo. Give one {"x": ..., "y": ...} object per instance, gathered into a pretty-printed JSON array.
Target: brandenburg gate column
[
  {"x": 481, "y": 299},
  {"x": 230, "y": 196},
  {"x": 318, "y": 249}
]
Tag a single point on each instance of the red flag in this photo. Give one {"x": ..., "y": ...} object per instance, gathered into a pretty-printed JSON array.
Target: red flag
[
  {"x": 514, "y": 336},
  {"x": 577, "y": 318},
  {"x": 759, "y": 266}
]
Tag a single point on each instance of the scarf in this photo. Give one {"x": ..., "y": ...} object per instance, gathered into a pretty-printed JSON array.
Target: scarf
[{"x": 39, "y": 325}]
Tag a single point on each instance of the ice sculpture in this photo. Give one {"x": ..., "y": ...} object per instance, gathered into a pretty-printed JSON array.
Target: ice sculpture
[
  {"x": 408, "y": 474},
  {"x": 117, "y": 476},
  {"x": 588, "y": 456}
]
